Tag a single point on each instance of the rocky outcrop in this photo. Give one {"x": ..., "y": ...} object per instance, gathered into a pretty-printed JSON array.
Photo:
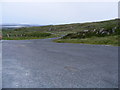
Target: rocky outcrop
[{"x": 89, "y": 33}]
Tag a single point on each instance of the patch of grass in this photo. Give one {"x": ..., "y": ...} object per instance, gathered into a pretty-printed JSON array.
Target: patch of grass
[
  {"x": 23, "y": 38},
  {"x": 27, "y": 35},
  {"x": 108, "y": 40}
]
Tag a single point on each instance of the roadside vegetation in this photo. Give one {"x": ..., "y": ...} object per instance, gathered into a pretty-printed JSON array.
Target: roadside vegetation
[
  {"x": 103, "y": 32},
  {"x": 23, "y": 34},
  {"x": 108, "y": 40}
]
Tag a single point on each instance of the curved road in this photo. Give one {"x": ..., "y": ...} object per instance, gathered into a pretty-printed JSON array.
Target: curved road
[{"x": 45, "y": 64}]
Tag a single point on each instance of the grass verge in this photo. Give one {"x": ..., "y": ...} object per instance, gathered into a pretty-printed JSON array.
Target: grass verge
[
  {"x": 108, "y": 40},
  {"x": 28, "y": 36},
  {"x": 23, "y": 38}
]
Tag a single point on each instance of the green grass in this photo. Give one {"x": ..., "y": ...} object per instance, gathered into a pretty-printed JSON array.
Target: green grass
[
  {"x": 25, "y": 38},
  {"x": 13, "y": 35},
  {"x": 108, "y": 40}
]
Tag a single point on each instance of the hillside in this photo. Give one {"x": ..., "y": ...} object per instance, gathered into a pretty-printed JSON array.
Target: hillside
[{"x": 74, "y": 31}]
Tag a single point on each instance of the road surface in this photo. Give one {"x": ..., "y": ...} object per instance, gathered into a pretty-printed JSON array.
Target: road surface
[{"x": 45, "y": 64}]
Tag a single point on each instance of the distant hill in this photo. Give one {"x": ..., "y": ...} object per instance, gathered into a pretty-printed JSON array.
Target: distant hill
[{"x": 99, "y": 29}]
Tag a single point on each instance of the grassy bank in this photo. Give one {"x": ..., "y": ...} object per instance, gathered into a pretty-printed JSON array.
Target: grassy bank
[
  {"x": 109, "y": 40},
  {"x": 23, "y": 35},
  {"x": 25, "y": 38}
]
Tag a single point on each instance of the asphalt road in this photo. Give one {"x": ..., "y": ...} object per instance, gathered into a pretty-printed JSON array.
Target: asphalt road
[{"x": 45, "y": 64}]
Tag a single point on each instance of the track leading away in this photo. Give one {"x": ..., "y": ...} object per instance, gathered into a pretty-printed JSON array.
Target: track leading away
[{"x": 45, "y": 64}]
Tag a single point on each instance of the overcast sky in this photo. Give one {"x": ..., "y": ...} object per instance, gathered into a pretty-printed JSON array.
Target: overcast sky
[
  {"x": 59, "y": 0},
  {"x": 45, "y": 13}
]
